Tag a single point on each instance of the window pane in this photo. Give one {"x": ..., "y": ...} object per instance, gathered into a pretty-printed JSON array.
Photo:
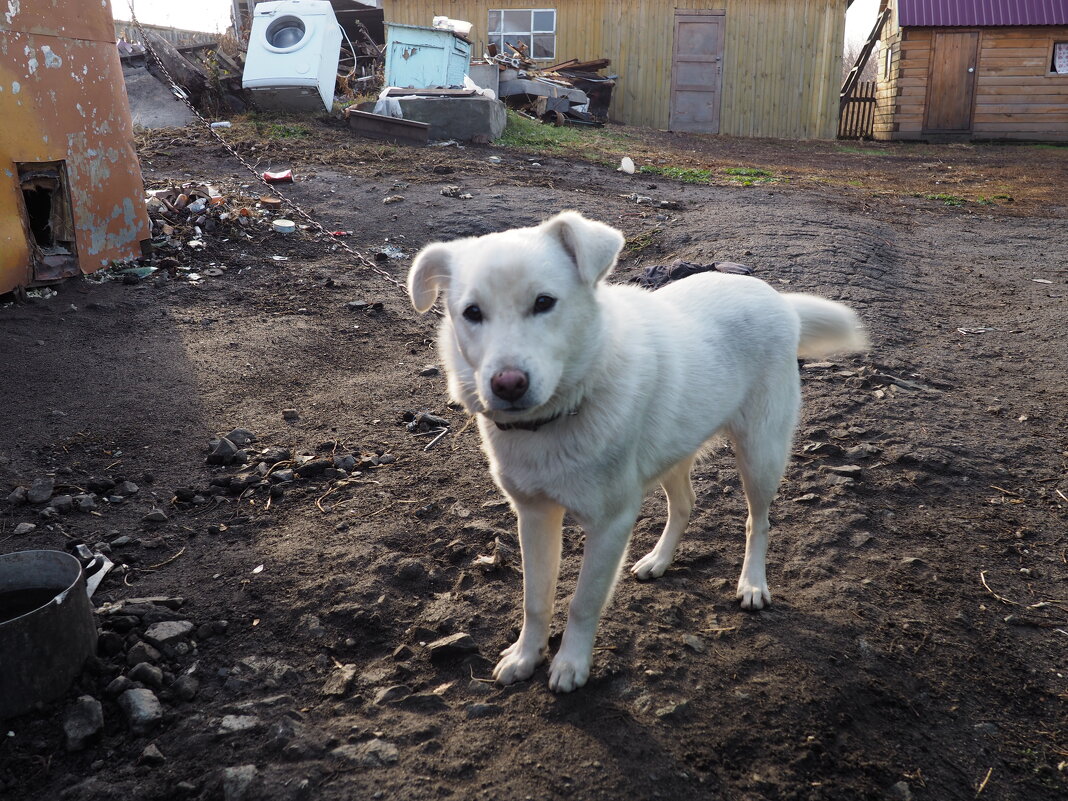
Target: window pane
[
  {"x": 497, "y": 39},
  {"x": 544, "y": 46},
  {"x": 516, "y": 21},
  {"x": 516, "y": 41},
  {"x": 494, "y": 22},
  {"x": 545, "y": 21}
]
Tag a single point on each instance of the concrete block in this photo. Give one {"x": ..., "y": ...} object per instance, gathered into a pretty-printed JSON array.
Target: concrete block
[{"x": 460, "y": 118}]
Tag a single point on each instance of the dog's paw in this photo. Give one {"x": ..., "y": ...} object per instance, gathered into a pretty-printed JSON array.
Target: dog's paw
[
  {"x": 517, "y": 664},
  {"x": 753, "y": 596},
  {"x": 567, "y": 673},
  {"x": 651, "y": 566}
]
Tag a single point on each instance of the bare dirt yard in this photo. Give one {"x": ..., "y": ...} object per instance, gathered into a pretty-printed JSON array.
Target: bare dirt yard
[{"x": 348, "y": 582}]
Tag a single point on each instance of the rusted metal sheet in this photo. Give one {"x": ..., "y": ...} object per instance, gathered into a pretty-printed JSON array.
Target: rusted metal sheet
[
  {"x": 71, "y": 192},
  {"x": 969, "y": 13}
]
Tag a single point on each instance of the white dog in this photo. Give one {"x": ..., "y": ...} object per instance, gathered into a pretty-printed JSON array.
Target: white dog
[{"x": 588, "y": 394}]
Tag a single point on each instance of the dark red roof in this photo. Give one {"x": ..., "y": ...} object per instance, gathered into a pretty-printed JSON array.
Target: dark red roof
[{"x": 941, "y": 13}]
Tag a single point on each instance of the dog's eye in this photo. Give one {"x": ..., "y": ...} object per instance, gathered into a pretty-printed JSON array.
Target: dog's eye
[
  {"x": 473, "y": 314},
  {"x": 543, "y": 303}
]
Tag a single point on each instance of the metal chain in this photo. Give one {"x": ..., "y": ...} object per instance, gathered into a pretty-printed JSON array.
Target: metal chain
[{"x": 182, "y": 95}]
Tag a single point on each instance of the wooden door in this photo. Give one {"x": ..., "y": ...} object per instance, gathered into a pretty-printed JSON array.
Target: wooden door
[
  {"x": 951, "y": 83},
  {"x": 696, "y": 71}
]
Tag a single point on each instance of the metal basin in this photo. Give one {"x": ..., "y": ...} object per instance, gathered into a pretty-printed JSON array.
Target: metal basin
[{"x": 46, "y": 628}]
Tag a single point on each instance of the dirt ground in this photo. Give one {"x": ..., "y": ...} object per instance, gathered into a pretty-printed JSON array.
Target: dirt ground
[{"x": 916, "y": 644}]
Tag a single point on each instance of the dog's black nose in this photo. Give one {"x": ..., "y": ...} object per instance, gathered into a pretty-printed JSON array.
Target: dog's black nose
[{"x": 509, "y": 384}]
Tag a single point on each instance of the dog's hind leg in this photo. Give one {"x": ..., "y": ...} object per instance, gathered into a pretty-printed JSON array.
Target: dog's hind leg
[
  {"x": 681, "y": 499},
  {"x": 540, "y": 538},
  {"x": 762, "y": 448}
]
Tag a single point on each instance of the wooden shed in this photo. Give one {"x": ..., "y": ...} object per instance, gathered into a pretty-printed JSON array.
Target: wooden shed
[
  {"x": 973, "y": 70},
  {"x": 738, "y": 67}
]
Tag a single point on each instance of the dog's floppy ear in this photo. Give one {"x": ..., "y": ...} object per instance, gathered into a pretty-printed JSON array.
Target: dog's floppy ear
[
  {"x": 429, "y": 274},
  {"x": 592, "y": 245}
]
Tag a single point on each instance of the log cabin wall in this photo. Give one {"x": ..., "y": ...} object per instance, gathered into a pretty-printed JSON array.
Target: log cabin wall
[{"x": 1016, "y": 93}]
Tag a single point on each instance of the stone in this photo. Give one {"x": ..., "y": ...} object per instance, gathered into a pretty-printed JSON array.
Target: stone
[
  {"x": 290, "y": 415},
  {"x": 672, "y": 710},
  {"x": 84, "y": 502},
  {"x": 49, "y": 513},
  {"x": 157, "y": 515},
  {"x": 142, "y": 709},
  {"x": 141, "y": 652},
  {"x": 282, "y": 476},
  {"x": 126, "y": 489},
  {"x": 388, "y": 695},
  {"x": 694, "y": 643},
  {"x": 83, "y": 722},
  {"x": 808, "y": 497},
  {"x": 17, "y": 496},
  {"x": 41, "y": 490},
  {"x": 64, "y": 504},
  {"x": 424, "y": 703},
  {"x": 430, "y": 371},
  {"x": 346, "y": 463},
  {"x": 152, "y": 755},
  {"x": 848, "y": 470},
  {"x": 110, "y": 643},
  {"x": 185, "y": 688},
  {"x": 339, "y": 682},
  {"x": 372, "y": 754},
  {"x": 314, "y": 467},
  {"x": 223, "y": 452},
  {"x": 168, "y": 632},
  {"x": 236, "y": 782},
  {"x": 232, "y": 724},
  {"x": 100, "y": 485},
  {"x": 273, "y": 455},
  {"x": 118, "y": 686},
  {"x": 24, "y": 528},
  {"x": 452, "y": 647},
  {"x": 146, "y": 674},
  {"x": 900, "y": 791},
  {"x": 483, "y": 711},
  {"x": 241, "y": 437},
  {"x": 122, "y": 540}
]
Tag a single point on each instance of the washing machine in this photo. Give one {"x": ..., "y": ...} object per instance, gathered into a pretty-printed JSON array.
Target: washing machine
[{"x": 292, "y": 57}]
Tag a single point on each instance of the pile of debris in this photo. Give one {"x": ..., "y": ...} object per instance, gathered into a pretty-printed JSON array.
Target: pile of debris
[
  {"x": 184, "y": 216},
  {"x": 571, "y": 92}
]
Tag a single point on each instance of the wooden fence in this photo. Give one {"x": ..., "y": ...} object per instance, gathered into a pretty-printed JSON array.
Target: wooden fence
[{"x": 857, "y": 117}]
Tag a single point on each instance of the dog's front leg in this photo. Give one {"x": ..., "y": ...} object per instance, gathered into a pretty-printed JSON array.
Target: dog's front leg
[
  {"x": 606, "y": 544},
  {"x": 540, "y": 533}
]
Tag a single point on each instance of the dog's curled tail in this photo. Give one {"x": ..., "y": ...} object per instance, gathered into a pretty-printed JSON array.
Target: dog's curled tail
[{"x": 826, "y": 327}]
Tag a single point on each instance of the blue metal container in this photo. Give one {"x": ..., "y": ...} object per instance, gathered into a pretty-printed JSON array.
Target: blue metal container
[{"x": 421, "y": 58}]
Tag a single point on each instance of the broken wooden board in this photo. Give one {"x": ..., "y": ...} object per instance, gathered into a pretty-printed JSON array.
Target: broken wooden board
[{"x": 388, "y": 129}]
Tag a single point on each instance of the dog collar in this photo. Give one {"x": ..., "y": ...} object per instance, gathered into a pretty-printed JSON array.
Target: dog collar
[{"x": 533, "y": 425}]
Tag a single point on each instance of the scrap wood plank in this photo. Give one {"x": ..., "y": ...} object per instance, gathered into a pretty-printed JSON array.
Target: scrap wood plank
[{"x": 390, "y": 129}]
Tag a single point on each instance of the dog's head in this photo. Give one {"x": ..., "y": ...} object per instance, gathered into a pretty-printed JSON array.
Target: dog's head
[{"x": 522, "y": 318}]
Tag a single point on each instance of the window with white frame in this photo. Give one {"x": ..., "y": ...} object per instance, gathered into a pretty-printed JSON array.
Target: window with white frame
[
  {"x": 1060, "y": 58},
  {"x": 530, "y": 30}
]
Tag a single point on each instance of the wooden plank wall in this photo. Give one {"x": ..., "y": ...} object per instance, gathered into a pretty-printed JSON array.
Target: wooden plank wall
[
  {"x": 1016, "y": 97},
  {"x": 782, "y": 58}
]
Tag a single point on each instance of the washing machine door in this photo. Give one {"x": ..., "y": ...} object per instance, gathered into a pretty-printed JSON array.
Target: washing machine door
[{"x": 286, "y": 34}]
